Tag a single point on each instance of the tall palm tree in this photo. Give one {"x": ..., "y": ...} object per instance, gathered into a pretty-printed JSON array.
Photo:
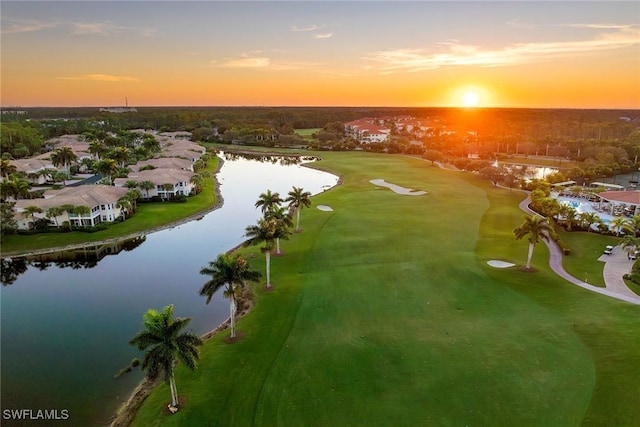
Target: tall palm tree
[
  {"x": 631, "y": 242},
  {"x": 167, "y": 343},
  {"x": 231, "y": 272},
  {"x": 587, "y": 219},
  {"x": 54, "y": 212},
  {"x": 133, "y": 195},
  {"x": 107, "y": 168},
  {"x": 283, "y": 224},
  {"x": 618, "y": 224},
  {"x": 125, "y": 205},
  {"x": 567, "y": 214},
  {"x": 146, "y": 186},
  {"x": 131, "y": 184},
  {"x": 64, "y": 157},
  {"x": 634, "y": 224},
  {"x": 298, "y": 199},
  {"x": 121, "y": 155},
  {"x": 82, "y": 210},
  {"x": 97, "y": 149},
  {"x": 536, "y": 227},
  {"x": 268, "y": 201},
  {"x": 263, "y": 232},
  {"x": 6, "y": 168},
  {"x": 32, "y": 211}
]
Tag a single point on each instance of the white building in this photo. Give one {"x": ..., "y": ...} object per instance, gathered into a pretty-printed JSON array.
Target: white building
[{"x": 101, "y": 200}]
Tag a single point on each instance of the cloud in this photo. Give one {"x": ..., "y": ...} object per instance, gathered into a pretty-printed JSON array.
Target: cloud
[
  {"x": 313, "y": 27},
  {"x": 247, "y": 62},
  {"x": 101, "y": 78},
  {"x": 323, "y": 36},
  {"x": 16, "y": 26},
  {"x": 456, "y": 54},
  {"x": 103, "y": 28},
  {"x": 516, "y": 23}
]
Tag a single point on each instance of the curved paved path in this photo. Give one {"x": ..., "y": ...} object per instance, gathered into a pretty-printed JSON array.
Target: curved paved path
[{"x": 616, "y": 265}]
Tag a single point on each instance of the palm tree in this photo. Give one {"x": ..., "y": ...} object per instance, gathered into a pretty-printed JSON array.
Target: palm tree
[
  {"x": 54, "y": 212},
  {"x": 264, "y": 232},
  {"x": 283, "y": 224},
  {"x": 6, "y": 168},
  {"x": 618, "y": 224},
  {"x": 567, "y": 214},
  {"x": 536, "y": 227},
  {"x": 32, "y": 211},
  {"x": 298, "y": 199},
  {"x": 166, "y": 342},
  {"x": 63, "y": 157},
  {"x": 125, "y": 205},
  {"x": 81, "y": 210},
  {"x": 97, "y": 149},
  {"x": 121, "y": 155},
  {"x": 62, "y": 176},
  {"x": 107, "y": 168},
  {"x": 268, "y": 201},
  {"x": 133, "y": 195},
  {"x": 146, "y": 186},
  {"x": 631, "y": 242},
  {"x": 230, "y": 272},
  {"x": 15, "y": 187},
  {"x": 131, "y": 184},
  {"x": 634, "y": 224},
  {"x": 587, "y": 219}
]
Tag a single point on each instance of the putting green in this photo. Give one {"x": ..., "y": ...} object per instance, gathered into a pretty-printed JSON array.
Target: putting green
[{"x": 386, "y": 313}]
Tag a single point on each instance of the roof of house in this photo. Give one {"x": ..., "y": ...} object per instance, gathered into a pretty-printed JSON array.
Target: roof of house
[
  {"x": 33, "y": 164},
  {"x": 85, "y": 195},
  {"x": 629, "y": 197},
  {"x": 164, "y": 163},
  {"x": 157, "y": 176}
]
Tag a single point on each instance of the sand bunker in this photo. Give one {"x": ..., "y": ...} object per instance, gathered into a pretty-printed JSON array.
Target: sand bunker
[
  {"x": 499, "y": 264},
  {"x": 396, "y": 188},
  {"x": 324, "y": 208}
]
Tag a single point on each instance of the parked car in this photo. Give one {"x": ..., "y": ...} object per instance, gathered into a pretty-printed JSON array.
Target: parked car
[
  {"x": 608, "y": 250},
  {"x": 633, "y": 255}
]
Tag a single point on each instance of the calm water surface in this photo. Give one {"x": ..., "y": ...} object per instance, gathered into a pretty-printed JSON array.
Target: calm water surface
[{"x": 65, "y": 331}]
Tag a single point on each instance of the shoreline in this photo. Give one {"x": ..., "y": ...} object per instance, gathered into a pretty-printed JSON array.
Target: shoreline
[
  {"x": 125, "y": 414},
  {"x": 193, "y": 217}
]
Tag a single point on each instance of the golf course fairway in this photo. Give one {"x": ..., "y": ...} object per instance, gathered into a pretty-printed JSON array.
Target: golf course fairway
[{"x": 385, "y": 313}]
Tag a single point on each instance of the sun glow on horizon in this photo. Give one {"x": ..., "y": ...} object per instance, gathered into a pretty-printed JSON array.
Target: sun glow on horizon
[
  {"x": 470, "y": 99},
  {"x": 470, "y": 96}
]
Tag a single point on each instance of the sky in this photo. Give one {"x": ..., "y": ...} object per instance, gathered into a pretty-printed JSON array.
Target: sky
[{"x": 542, "y": 54}]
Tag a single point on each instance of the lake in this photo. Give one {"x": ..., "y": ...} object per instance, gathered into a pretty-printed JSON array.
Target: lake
[{"x": 66, "y": 324}]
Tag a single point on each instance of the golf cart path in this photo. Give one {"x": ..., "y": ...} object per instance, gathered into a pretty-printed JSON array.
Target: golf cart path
[{"x": 616, "y": 265}]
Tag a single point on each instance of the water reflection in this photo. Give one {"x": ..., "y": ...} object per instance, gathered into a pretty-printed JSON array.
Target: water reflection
[
  {"x": 78, "y": 258},
  {"x": 270, "y": 158},
  {"x": 65, "y": 331}
]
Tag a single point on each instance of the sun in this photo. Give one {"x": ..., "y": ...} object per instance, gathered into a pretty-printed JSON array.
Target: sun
[{"x": 470, "y": 99}]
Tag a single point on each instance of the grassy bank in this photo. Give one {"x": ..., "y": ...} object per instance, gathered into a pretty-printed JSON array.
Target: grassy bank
[
  {"x": 386, "y": 313},
  {"x": 149, "y": 216}
]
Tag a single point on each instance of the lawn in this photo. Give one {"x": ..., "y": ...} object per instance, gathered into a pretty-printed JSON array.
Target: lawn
[
  {"x": 147, "y": 217},
  {"x": 385, "y": 313}
]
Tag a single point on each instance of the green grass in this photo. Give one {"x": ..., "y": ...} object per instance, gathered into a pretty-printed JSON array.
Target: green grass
[
  {"x": 385, "y": 313},
  {"x": 147, "y": 217},
  {"x": 306, "y": 133},
  {"x": 585, "y": 249}
]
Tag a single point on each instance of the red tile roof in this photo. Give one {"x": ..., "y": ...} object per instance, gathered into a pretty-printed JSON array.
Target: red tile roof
[{"x": 632, "y": 197}]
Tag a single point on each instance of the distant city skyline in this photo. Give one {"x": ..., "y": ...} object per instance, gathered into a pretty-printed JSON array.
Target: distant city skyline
[{"x": 575, "y": 54}]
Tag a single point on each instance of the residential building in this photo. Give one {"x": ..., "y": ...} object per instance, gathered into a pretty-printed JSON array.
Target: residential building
[{"x": 102, "y": 201}]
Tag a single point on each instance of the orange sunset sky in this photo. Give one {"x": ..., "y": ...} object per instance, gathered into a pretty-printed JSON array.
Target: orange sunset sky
[{"x": 302, "y": 53}]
